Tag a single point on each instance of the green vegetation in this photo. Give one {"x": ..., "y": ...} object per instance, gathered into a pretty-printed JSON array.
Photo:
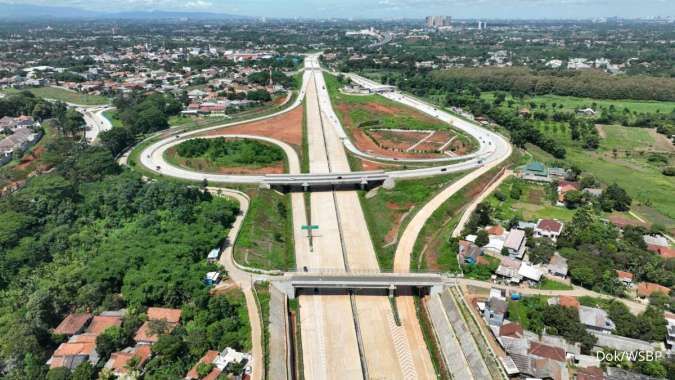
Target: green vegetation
[
  {"x": 480, "y": 271},
  {"x": 519, "y": 311},
  {"x": 526, "y": 201},
  {"x": 548, "y": 284},
  {"x": 262, "y": 295},
  {"x": 430, "y": 340},
  {"x": 266, "y": 237},
  {"x": 217, "y": 153},
  {"x": 89, "y": 236},
  {"x": 388, "y": 212},
  {"x": 63, "y": 95}
]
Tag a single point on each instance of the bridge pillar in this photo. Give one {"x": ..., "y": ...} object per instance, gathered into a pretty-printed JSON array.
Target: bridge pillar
[
  {"x": 305, "y": 186},
  {"x": 286, "y": 288},
  {"x": 364, "y": 183},
  {"x": 436, "y": 289},
  {"x": 392, "y": 290},
  {"x": 389, "y": 183}
]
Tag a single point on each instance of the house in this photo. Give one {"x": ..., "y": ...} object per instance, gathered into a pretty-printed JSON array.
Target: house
[
  {"x": 670, "y": 328},
  {"x": 558, "y": 265},
  {"x": 508, "y": 268},
  {"x": 595, "y": 319},
  {"x": 590, "y": 373},
  {"x": 495, "y": 310},
  {"x": 548, "y": 228},
  {"x": 495, "y": 230},
  {"x": 625, "y": 277},
  {"x": 657, "y": 240},
  {"x": 212, "y": 278},
  {"x": 665, "y": 252},
  {"x": 565, "y": 301},
  {"x": 119, "y": 361},
  {"x": 511, "y": 329},
  {"x": 515, "y": 243},
  {"x": 565, "y": 187},
  {"x": 645, "y": 289},
  {"x": 76, "y": 350},
  {"x": 101, "y": 322},
  {"x": 20, "y": 140},
  {"x": 535, "y": 171},
  {"x": 544, "y": 351},
  {"x": 469, "y": 252},
  {"x": 220, "y": 361},
  {"x": 208, "y": 358},
  {"x": 530, "y": 272},
  {"x": 213, "y": 255},
  {"x": 587, "y": 112},
  {"x": 73, "y": 324},
  {"x": 594, "y": 192},
  {"x": 170, "y": 318}
]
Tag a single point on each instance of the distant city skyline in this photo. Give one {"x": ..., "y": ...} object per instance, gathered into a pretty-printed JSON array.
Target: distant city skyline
[{"x": 387, "y": 9}]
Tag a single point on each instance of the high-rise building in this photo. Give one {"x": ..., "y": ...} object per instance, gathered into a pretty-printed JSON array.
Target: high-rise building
[{"x": 438, "y": 21}]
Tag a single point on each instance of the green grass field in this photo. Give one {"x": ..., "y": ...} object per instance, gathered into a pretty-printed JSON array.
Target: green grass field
[
  {"x": 265, "y": 240},
  {"x": 534, "y": 203},
  {"x": 518, "y": 310},
  {"x": 387, "y": 208},
  {"x": 65, "y": 96},
  {"x": 548, "y": 284},
  {"x": 571, "y": 103},
  {"x": 622, "y": 138}
]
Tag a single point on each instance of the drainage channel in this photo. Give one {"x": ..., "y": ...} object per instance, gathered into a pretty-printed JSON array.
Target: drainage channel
[{"x": 352, "y": 298}]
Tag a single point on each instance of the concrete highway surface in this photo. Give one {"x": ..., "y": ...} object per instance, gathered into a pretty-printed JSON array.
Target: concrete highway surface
[
  {"x": 349, "y": 336},
  {"x": 96, "y": 122}
]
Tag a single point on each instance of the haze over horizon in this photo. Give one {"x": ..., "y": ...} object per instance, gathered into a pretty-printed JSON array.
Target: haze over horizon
[{"x": 485, "y": 9}]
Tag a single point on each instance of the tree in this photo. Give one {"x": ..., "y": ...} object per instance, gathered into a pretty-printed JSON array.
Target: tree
[
  {"x": 58, "y": 373},
  {"x": 615, "y": 198},
  {"x": 542, "y": 251},
  {"x": 84, "y": 371},
  {"x": 483, "y": 214},
  {"x": 204, "y": 369},
  {"x": 72, "y": 122},
  {"x": 111, "y": 340},
  {"x": 574, "y": 199},
  {"x": 482, "y": 238},
  {"x": 117, "y": 139}
]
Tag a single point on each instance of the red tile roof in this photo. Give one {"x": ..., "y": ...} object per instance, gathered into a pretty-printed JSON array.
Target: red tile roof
[
  {"x": 590, "y": 373},
  {"x": 143, "y": 334},
  {"x": 72, "y": 324},
  {"x": 645, "y": 289},
  {"x": 171, "y": 315},
  {"x": 208, "y": 358},
  {"x": 550, "y": 225},
  {"x": 624, "y": 275},
  {"x": 511, "y": 329},
  {"x": 568, "y": 301},
  {"x": 100, "y": 322},
  {"x": 121, "y": 358},
  {"x": 495, "y": 230},
  {"x": 665, "y": 252},
  {"x": 546, "y": 351}
]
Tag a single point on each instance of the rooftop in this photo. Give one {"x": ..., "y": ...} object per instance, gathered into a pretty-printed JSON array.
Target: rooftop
[{"x": 72, "y": 324}]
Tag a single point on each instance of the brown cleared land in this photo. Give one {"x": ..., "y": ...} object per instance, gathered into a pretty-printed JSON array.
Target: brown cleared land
[{"x": 286, "y": 127}]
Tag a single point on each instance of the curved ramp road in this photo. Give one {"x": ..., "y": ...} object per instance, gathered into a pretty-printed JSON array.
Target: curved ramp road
[{"x": 347, "y": 336}]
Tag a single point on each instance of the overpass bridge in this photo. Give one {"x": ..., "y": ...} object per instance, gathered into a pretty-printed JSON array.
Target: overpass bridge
[
  {"x": 330, "y": 180},
  {"x": 290, "y": 283}
]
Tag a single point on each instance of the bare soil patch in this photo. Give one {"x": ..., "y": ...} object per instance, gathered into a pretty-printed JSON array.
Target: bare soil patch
[{"x": 286, "y": 127}]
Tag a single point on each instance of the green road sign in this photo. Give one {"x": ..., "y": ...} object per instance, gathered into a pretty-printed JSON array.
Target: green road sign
[{"x": 310, "y": 227}]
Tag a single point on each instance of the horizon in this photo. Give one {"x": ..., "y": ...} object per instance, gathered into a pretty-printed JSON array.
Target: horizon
[{"x": 379, "y": 9}]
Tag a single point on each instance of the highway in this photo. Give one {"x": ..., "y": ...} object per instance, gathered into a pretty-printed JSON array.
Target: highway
[
  {"x": 345, "y": 336},
  {"x": 96, "y": 122}
]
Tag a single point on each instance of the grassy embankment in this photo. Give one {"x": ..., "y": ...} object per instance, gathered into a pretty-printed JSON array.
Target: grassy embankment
[
  {"x": 388, "y": 212},
  {"x": 233, "y": 154},
  {"x": 64, "y": 95},
  {"x": 266, "y": 237},
  {"x": 379, "y": 112},
  {"x": 533, "y": 203}
]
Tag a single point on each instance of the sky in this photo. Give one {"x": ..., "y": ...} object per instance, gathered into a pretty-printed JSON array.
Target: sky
[{"x": 486, "y": 9}]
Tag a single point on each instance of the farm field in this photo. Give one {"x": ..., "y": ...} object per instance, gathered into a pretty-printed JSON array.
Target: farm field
[
  {"x": 64, "y": 95},
  {"x": 571, "y": 103}
]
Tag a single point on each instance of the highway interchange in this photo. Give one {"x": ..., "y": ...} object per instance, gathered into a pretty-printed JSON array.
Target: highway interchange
[{"x": 347, "y": 335}]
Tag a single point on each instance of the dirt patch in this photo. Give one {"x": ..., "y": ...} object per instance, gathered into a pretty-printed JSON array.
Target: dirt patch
[
  {"x": 31, "y": 157},
  {"x": 622, "y": 221},
  {"x": 601, "y": 130},
  {"x": 286, "y": 127},
  {"x": 661, "y": 142},
  {"x": 381, "y": 108},
  {"x": 535, "y": 196}
]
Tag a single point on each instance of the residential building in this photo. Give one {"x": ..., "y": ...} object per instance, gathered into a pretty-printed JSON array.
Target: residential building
[
  {"x": 665, "y": 252},
  {"x": 76, "y": 350},
  {"x": 495, "y": 311},
  {"x": 220, "y": 361},
  {"x": 515, "y": 243},
  {"x": 169, "y": 317},
  {"x": 438, "y": 21},
  {"x": 530, "y": 272},
  {"x": 625, "y": 277},
  {"x": 101, "y": 322},
  {"x": 656, "y": 240},
  {"x": 565, "y": 301},
  {"x": 119, "y": 361},
  {"x": 645, "y": 289},
  {"x": 469, "y": 252},
  {"x": 73, "y": 324},
  {"x": 558, "y": 265},
  {"x": 595, "y": 319},
  {"x": 548, "y": 228},
  {"x": 509, "y": 268}
]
